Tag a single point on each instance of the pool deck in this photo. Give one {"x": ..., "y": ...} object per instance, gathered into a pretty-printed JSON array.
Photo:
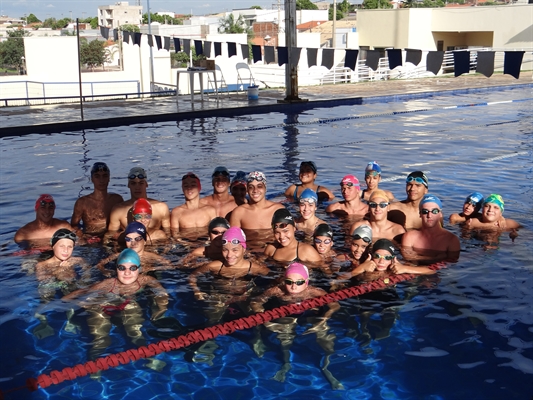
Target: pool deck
[{"x": 22, "y": 120}]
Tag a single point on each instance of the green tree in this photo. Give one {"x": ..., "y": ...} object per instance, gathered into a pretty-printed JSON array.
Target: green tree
[
  {"x": 231, "y": 25},
  {"x": 162, "y": 19},
  {"x": 342, "y": 10},
  {"x": 93, "y": 54},
  {"x": 31, "y": 19},
  {"x": 12, "y": 49},
  {"x": 255, "y": 8},
  {"x": 305, "y": 5},
  {"x": 373, "y": 4},
  {"x": 129, "y": 28}
]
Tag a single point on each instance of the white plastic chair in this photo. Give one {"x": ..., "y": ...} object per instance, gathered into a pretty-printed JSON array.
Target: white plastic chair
[
  {"x": 220, "y": 83},
  {"x": 244, "y": 75}
]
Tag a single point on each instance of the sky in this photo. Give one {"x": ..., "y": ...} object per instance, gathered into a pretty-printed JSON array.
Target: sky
[{"x": 58, "y": 9}]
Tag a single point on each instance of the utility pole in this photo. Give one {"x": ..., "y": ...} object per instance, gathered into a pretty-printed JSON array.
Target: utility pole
[
  {"x": 151, "y": 51},
  {"x": 333, "y": 39},
  {"x": 291, "y": 68}
]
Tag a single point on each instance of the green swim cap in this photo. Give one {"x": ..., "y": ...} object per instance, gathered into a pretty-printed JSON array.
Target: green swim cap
[{"x": 495, "y": 199}]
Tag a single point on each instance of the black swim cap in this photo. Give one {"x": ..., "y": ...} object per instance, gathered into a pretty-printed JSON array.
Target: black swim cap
[
  {"x": 384, "y": 244},
  {"x": 218, "y": 222},
  {"x": 62, "y": 233},
  {"x": 282, "y": 216},
  {"x": 323, "y": 230}
]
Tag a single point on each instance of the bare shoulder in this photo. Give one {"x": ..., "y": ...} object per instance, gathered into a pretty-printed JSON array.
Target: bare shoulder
[
  {"x": 333, "y": 207},
  {"x": 290, "y": 190},
  {"x": 315, "y": 292}
]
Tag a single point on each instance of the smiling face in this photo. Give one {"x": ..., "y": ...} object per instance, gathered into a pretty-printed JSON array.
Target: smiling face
[
  {"x": 256, "y": 191},
  {"x": 221, "y": 183},
  {"x": 380, "y": 259},
  {"x": 372, "y": 179},
  {"x": 284, "y": 236},
  {"x": 415, "y": 191},
  {"x": 232, "y": 253},
  {"x": 378, "y": 213},
  {"x": 468, "y": 209},
  {"x": 491, "y": 212},
  {"x": 307, "y": 175},
  {"x": 128, "y": 276},
  {"x": 358, "y": 248},
  {"x": 46, "y": 211},
  {"x": 63, "y": 249},
  {"x": 307, "y": 209},
  {"x": 291, "y": 283},
  {"x": 323, "y": 244}
]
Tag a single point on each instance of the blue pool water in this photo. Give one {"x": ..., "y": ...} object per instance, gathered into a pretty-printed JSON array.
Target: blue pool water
[{"x": 465, "y": 333}]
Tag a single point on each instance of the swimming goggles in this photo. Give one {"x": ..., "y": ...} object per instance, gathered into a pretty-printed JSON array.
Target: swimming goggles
[
  {"x": 325, "y": 241},
  {"x": 378, "y": 256},
  {"x": 47, "y": 204},
  {"x": 417, "y": 180},
  {"x": 363, "y": 238},
  {"x": 66, "y": 235},
  {"x": 216, "y": 233},
  {"x": 257, "y": 176},
  {"x": 347, "y": 184},
  {"x": 139, "y": 176},
  {"x": 425, "y": 211},
  {"x": 283, "y": 225},
  {"x": 232, "y": 241},
  {"x": 299, "y": 282},
  {"x": 472, "y": 203},
  {"x": 138, "y": 217},
  {"x": 307, "y": 200},
  {"x": 371, "y": 204},
  {"x": 223, "y": 173},
  {"x": 124, "y": 268},
  {"x": 135, "y": 239},
  {"x": 372, "y": 173},
  {"x": 189, "y": 175},
  {"x": 99, "y": 166}
]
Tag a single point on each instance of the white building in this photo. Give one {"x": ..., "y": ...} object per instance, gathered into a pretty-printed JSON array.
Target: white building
[{"x": 119, "y": 14}]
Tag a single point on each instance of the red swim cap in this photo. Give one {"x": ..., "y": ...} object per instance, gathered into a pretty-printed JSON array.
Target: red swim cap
[
  {"x": 142, "y": 206},
  {"x": 44, "y": 198}
]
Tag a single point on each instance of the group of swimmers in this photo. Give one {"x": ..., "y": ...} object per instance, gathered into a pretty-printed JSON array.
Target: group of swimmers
[{"x": 245, "y": 229}]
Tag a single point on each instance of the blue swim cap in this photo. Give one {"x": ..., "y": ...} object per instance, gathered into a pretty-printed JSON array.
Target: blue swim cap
[
  {"x": 476, "y": 199},
  {"x": 430, "y": 198},
  {"x": 136, "y": 227},
  {"x": 372, "y": 166},
  {"x": 129, "y": 256},
  {"x": 309, "y": 194}
]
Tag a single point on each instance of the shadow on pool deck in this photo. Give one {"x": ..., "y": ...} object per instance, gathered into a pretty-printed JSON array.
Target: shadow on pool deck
[{"x": 67, "y": 117}]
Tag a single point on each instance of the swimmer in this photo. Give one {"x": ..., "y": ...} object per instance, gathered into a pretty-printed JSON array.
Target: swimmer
[
  {"x": 238, "y": 188},
  {"x": 372, "y": 179},
  {"x": 116, "y": 297},
  {"x": 257, "y": 214},
  {"x": 93, "y": 210},
  {"x": 121, "y": 214},
  {"x": 307, "y": 221},
  {"x": 352, "y": 204},
  {"x": 213, "y": 250},
  {"x": 361, "y": 240},
  {"x": 471, "y": 208},
  {"x": 406, "y": 212},
  {"x": 142, "y": 212},
  {"x": 492, "y": 216},
  {"x": 323, "y": 242},
  {"x": 193, "y": 214},
  {"x": 432, "y": 243},
  {"x": 221, "y": 199},
  {"x": 307, "y": 176},
  {"x": 379, "y": 205},
  {"x": 44, "y": 226},
  {"x": 295, "y": 288},
  {"x": 287, "y": 248},
  {"x": 135, "y": 237}
]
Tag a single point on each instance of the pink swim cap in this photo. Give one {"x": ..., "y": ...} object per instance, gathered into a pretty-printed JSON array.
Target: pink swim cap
[
  {"x": 350, "y": 179},
  {"x": 142, "y": 206},
  {"x": 297, "y": 268},
  {"x": 234, "y": 235}
]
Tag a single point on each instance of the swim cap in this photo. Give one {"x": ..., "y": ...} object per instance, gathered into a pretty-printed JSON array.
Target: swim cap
[
  {"x": 379, "y": 193},
  {"x": 323, "y": 230},
  {"x": 420, "y": 175},
  {"x": 99, "y": 166},
  {"x": 309, "y": 164},
  {"x": 218, "y": 222},
  {"x": 142, "y": 206},
  {"x": 194, "y": 176},
  {"x": 136, "y": 227},
  {"x": 429, "y": 198},
  {"x": 372, "y": 166},
  {"x": 221, "y": 170},
  {"x": 137, "y": 172},
  {"x": 62, "y": 233},
  {"x": 350, "y": 179},
  {"x": 297, "y": 268},
  {"x": 384, "y": 244},
  {"x": 495, "y": 199},
  {"x": 281, "y": 216},
  {"x": 239, "y": 179},
  {"x": 476, "y": 198},
  {"x": 129, "y": 256},
  {"x": 234, "y": 233},
  {"x": 363, "y": 232},
  {"x": 44, "y": 198},
  {"x": 309, "y": 195},
  {"x": 258, "y": 176}
]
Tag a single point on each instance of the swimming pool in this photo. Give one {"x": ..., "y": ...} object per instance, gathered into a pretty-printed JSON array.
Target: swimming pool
[{"x": 464, "y": 333}]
